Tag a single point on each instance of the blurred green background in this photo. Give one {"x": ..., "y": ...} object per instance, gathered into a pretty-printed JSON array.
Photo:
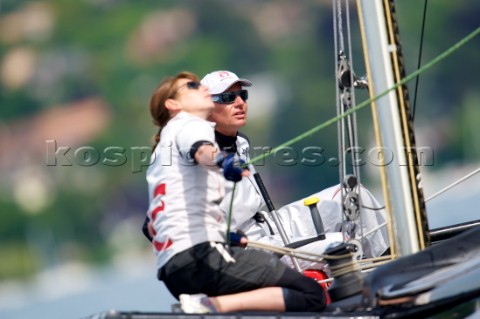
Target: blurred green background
[{"x": 76, "y": 78}]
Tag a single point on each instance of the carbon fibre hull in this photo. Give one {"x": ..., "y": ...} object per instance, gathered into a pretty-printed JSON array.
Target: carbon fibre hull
[{"x": 441, "y": 281}]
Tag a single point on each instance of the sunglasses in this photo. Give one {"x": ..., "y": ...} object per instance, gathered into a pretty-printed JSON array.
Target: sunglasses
[
  {"x": 192, "y": 85},
  {"x": 229, "y": 97}
]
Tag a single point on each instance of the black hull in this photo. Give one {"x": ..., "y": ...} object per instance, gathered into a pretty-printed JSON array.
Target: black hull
[
  {"x": 444, "y": 279},
  {"x": 450, "y": 310}
]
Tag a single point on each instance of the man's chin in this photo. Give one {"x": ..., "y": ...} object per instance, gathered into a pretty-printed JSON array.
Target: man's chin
[{"x": 240, "y": 122}]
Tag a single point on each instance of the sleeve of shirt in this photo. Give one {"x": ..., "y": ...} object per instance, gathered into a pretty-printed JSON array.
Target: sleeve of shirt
[{"x": 196, "y": 133}]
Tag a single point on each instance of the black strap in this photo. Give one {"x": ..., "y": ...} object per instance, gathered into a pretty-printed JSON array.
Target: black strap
[
  {"x": 195, "y": 147},
  {"x": 259, "y": 218}
]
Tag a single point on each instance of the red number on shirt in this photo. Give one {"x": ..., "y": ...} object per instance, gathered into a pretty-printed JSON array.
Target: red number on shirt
[{"x": 159, "y": 191}]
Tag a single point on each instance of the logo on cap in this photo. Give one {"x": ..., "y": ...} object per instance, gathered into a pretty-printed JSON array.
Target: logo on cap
[{"x": 224, "y": 75}]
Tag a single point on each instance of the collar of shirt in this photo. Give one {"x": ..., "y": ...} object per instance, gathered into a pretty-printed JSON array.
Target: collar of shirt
[{"x": 226, "y": 143}]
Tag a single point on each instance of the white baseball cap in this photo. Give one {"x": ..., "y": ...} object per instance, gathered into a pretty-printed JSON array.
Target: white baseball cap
[{"x": 219, "y": 81}]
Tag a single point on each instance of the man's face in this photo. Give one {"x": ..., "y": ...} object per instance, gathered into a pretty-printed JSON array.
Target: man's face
[{"x": 230, "y": 117}]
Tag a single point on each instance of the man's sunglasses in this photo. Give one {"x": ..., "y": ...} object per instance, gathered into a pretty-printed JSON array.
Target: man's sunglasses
[{"x": 229, "y": 97}]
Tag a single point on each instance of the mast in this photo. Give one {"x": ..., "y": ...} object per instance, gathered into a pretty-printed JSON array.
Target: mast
[{"x": 404, "y": 201}]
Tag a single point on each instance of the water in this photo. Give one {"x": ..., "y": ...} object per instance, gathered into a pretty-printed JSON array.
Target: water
[{"x": 74, "y": 291}]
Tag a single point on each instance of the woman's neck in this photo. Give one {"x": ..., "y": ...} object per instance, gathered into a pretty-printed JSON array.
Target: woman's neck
[{"x": 203, "y": 114}]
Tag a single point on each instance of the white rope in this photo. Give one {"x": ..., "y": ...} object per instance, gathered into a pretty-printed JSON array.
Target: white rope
[
  {"x": 453, "y": 184},
  {"x": 289, "y": 251},
  {"x": 374, "y": 229},
  {"x": 353, "y": 265}
]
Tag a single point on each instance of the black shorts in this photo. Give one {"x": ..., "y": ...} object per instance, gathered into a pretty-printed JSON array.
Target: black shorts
[{"x": 214, "y": 269}]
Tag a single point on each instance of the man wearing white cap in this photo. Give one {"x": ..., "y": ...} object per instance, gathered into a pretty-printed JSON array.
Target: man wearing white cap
[{"x": 230, "y": 115}]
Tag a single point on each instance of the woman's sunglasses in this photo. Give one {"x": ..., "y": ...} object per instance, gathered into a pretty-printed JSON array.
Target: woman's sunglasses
[
  {"x": 229, "y": 97},
  {"x": 192, "y": 85}
]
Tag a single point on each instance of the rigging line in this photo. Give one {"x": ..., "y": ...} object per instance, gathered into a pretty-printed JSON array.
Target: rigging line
[
  {"x": 371, "y": 231},
  {"x": 296, "y": 251},
  {"x": 453, "y": 184},
  {"x": 406, "y": 79},
  {"x": 419, "y": 60},
  {"x": 344, "y": 268},
  {"x": 352, "y": 121},
  {"x": 338, "y": 31},
  {"x": 340, "y": 26},
  {"x": 339, "y": 50},
  {"x": 315, "y": 257},
  {"x": 230, "y": 214},
  {"x": 373, "y": 208}
]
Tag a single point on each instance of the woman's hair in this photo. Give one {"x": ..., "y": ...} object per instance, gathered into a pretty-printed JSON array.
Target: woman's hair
[{"x": 167, "y": 89}]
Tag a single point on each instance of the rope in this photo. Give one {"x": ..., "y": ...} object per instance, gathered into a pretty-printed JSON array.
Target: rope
[
  {"x": 230, "y": 208},
  {"x": 352, "y": 122},
  {"x": 347, "y": 137},
  {"x": 406, "y": 79},
  {"x": 453, "y": 184},
  {"x": 374, "y": 229},
  {"x": 338, "y": 43},
  {"x": 289, "y": 251},
  {"x": 419, "y": 59},
  {"x": 346, "y": 98},
  {"x": 353, "y": 265},
  {"x": 340, "y": 26}
]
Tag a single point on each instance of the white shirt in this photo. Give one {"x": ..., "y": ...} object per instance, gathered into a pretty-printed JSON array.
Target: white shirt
[
  {"x": 247, "y": 198},
  {"x": 184, "y": 196}
]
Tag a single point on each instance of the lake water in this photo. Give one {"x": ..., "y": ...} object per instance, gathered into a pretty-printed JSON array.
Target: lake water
[{"x": 75, "y": 292}]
